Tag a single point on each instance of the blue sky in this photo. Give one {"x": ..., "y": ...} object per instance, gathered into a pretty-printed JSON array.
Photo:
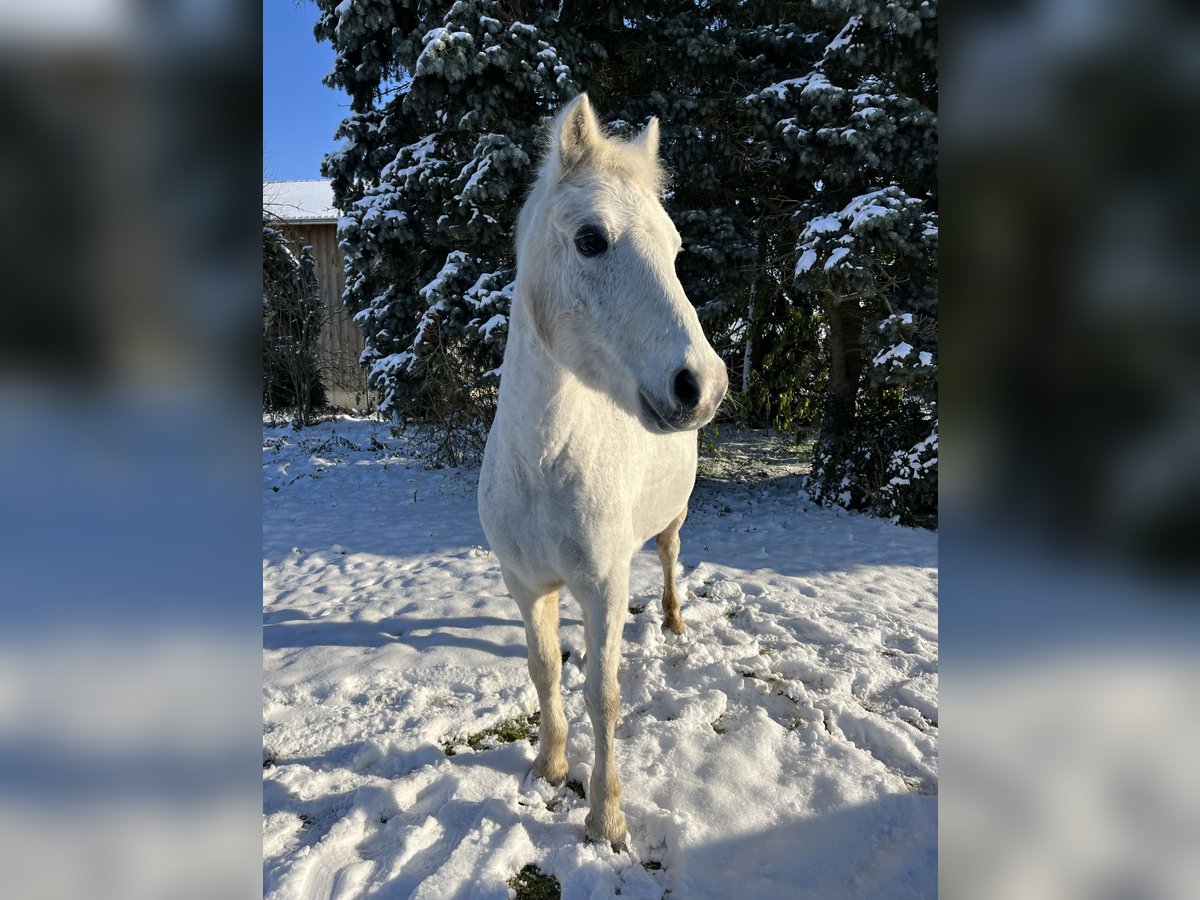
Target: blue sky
[{"x": 299, "y": 113}]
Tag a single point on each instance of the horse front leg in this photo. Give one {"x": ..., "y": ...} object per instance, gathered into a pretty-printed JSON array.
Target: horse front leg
[
  {"x": 604, "y": 604},
  {"x": 668, "y": 555},
  {"x": 540, "y": 612}
]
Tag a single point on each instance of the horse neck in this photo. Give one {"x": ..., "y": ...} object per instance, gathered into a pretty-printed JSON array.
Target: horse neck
[
  {"x": 531, "y": 373},
  {"x": 539, "y": 392}
]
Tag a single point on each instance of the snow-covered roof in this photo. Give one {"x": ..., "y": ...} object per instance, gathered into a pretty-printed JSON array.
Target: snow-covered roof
[{"x": 300, "y": 201}]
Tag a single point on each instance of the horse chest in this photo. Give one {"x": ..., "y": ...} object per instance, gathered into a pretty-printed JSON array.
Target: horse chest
[{"x": 540, "y": 508}]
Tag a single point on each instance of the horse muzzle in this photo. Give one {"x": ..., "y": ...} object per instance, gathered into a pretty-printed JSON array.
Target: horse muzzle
[{"x": 669, "y": 418}]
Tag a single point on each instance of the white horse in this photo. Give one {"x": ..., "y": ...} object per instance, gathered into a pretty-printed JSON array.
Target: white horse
[{"x": 607, "y": 376}]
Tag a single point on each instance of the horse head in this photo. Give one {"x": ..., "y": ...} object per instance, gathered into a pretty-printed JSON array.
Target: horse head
[{"x": 596, "y": 263}]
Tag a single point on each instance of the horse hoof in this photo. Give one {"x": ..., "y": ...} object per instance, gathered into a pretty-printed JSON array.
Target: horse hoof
[
  {"x": 612, "y": 831},
  {"x": 618, "y": 846},
  {"x": 675, "y": 627},
  {"x": 554, "y": 774}
]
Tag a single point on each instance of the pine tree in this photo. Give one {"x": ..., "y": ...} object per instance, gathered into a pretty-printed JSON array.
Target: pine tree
[
  {"x": 859, "y": 126},
  {"x": 448, "y": 102},
  {"x": 802, "y": 142},
  {"x": 447, "y": 105}
]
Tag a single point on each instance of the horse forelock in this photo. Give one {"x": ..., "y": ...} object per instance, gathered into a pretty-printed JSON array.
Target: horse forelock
[
  {"x": 623, "y": 161},
  {"x": 610, "y": 158}
]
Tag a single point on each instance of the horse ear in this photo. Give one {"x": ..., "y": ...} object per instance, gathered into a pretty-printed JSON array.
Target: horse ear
[
  {"x": 576, "y": 134},
  {"x": 648, "y": 139}
]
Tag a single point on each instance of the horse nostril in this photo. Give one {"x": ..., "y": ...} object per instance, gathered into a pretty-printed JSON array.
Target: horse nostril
[{"x": 687, "y": 389}]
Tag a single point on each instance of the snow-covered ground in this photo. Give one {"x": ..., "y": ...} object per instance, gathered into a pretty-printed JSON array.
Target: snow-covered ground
[{"x": 786, "y": 747}]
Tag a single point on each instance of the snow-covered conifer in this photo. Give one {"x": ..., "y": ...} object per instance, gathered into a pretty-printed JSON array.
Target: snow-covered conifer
[
  {"x": 802, "y": 145},
  {"x": 860, "y": 125},
  {"x": 447, "y": 104}
]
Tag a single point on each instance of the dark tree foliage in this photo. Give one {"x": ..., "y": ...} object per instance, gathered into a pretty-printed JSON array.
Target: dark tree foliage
[{"x": 801, "y": 139}]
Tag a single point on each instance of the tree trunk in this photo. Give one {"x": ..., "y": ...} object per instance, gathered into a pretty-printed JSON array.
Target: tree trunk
[
  {"x": 746, "y": 356},
  {"x": 758, "y": 339},
  {"x": 845, "y": 373}
]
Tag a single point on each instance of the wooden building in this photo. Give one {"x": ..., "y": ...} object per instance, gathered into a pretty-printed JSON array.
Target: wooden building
[{"x": 305, "y": 209}]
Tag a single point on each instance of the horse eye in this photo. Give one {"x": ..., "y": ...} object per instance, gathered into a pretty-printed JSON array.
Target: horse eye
[{"x": 590, "y": 242}]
